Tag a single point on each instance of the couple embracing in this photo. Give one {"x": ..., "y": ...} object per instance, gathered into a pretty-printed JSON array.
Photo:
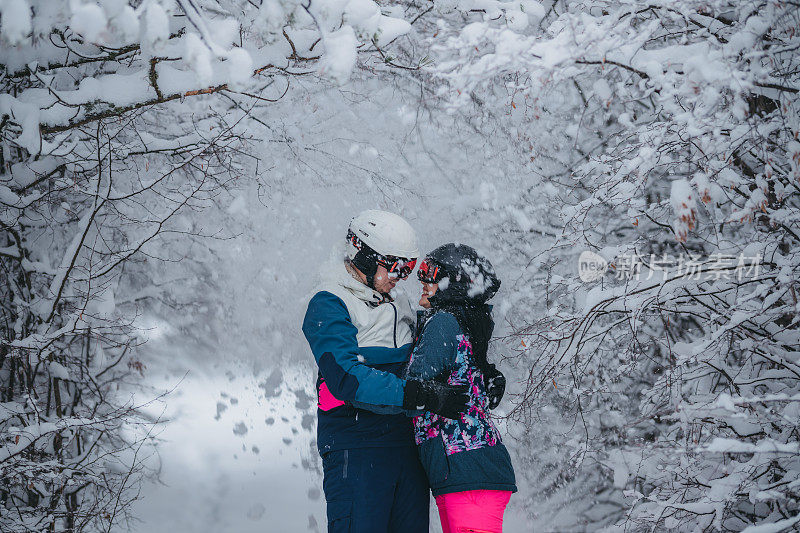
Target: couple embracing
[{"x": 402, "y": 400}]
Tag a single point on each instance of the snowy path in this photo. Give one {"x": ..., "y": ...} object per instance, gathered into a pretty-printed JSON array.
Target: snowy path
[{"x": 233, "y": 471}]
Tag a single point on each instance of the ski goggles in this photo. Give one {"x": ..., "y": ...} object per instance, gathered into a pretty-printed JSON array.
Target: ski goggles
[
  {"x": 429, "y": 272},
  {"x": 401, "y": 267}
]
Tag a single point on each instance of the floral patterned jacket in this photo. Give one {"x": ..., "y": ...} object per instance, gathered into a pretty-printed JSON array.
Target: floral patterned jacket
[{"x": 462, "y": 454}]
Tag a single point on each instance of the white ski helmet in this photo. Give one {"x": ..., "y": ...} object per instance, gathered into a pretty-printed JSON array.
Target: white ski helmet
[{"x": 386, "y": 233}]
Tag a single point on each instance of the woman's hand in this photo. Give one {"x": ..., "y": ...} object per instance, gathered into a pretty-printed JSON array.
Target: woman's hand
[
  {"x": 495, "y": 383},
  {"x": 448, "y": 401}
]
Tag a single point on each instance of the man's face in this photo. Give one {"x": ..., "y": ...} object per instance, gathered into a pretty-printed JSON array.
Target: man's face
[{"x": 383, "y": 281}]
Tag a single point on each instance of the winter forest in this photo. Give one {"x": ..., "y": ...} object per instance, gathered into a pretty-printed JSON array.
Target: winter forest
[{"x": 174, "y": 172}]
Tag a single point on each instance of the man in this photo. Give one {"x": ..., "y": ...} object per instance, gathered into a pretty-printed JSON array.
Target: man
[{"x": 361, "y": 339}]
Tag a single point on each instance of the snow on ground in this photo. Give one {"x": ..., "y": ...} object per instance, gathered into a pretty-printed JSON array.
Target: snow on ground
[{"x": 231, "y": 459}]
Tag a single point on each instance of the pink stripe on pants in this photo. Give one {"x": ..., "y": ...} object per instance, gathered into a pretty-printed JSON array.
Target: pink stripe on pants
[{"x": 473, "y": 511}]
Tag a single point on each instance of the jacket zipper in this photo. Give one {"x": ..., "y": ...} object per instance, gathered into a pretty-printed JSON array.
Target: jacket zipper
[
  {"x": 344, "y": 469},
  {"x": 394, "y": 333}
]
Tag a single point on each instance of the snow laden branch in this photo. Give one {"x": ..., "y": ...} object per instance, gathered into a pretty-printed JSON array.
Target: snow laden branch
[
  {"x": 672, "y": 158},
  {"x": 166, "y": 53}
]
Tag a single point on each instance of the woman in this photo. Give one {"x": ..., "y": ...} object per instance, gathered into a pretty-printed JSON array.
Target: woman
[{"x": 468, "y": 468}]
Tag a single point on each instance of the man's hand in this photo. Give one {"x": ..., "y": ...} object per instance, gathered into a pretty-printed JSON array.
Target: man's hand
[
  {"x": 448, "y": 401},
  {"x": 495, "y": 383}
]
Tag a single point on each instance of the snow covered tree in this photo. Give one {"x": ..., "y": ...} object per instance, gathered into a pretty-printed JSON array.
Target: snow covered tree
[
  {"x": 681, "y": 361},
  {"x": 117, "y": 120}
]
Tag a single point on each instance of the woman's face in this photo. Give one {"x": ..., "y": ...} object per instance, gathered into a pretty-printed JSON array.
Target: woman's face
[{"x": 428, "y": 290}]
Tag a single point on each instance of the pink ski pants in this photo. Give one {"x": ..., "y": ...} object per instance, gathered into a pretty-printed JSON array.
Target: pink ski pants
[{"x": 473, "y": 511}]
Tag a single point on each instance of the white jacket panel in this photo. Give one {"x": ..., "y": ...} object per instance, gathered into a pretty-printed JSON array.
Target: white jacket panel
[{"x": 388, "y": 324}]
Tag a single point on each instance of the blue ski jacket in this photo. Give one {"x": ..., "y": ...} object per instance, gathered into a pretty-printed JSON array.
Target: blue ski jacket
[
  {"x": 361, "y": 343},
  {"x": 464, "y": 454}
]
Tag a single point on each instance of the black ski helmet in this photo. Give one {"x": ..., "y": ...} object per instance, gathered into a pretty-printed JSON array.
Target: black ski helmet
[{"x": 470, "y": 276}]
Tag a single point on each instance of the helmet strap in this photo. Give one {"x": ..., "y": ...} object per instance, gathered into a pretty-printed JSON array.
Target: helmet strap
[{"x": 366, "y": 261}]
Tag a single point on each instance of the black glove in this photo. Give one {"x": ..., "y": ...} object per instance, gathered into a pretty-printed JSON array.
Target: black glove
[
  {"x": 448, "y": 401},
  {"x": 495, "y": 383}
]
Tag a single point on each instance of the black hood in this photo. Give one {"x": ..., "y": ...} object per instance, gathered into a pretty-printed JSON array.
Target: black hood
[{"x": 470, "y": 282}]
